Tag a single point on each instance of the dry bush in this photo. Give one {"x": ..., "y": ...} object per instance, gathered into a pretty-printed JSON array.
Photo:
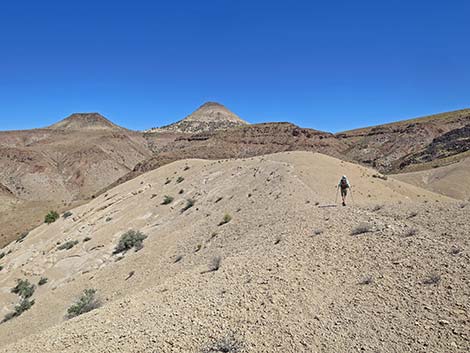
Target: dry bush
[
  {"x": 87, "y": 302},
  {"x": 130, "y": 239},
  {"x": 361, "y": 229},
  {"x": 432, "y": 278}
]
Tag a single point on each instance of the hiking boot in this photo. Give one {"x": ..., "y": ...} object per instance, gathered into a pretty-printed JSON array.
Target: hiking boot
[{"x": 344, "y": 203}]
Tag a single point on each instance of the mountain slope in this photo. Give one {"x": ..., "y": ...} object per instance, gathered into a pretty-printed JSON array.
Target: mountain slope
[
  {"x": 85, "y": 121},
  {"x": 388, "y": 147},
  {"x": 451, "y": 180},
  {"x": 60, "y": 167},
  {"x": 292, "y": 277},
  {"x": 208, "y": 117}
]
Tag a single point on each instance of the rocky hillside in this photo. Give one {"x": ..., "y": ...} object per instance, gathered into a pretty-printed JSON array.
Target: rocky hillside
[
  {"x": 208, "y": 117},
  {"x": 60, "y": 167},
  {"x": 245, "y": 256},
  {"x": 242, "y": 142},
  {"x": 391, "y": 147}
]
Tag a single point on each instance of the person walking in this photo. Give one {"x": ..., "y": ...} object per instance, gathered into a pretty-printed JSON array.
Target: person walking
[{"x": 344, "y": 186}]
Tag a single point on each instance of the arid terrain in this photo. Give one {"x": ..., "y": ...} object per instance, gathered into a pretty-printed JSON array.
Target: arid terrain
[
  {"x": 214, "y": 235},
  {"x": 68, "y": 163},
  {"x": 247, "y": 256}
]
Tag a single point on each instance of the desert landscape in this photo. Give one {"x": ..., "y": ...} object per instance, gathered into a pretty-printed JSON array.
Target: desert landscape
[{"x": 215, "y": 235}]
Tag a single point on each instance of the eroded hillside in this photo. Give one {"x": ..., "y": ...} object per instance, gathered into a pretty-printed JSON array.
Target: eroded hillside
[{"x": 242, "y": 254}]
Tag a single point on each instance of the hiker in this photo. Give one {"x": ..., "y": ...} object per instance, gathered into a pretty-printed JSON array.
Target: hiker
[{"x": 344, "y": 185}]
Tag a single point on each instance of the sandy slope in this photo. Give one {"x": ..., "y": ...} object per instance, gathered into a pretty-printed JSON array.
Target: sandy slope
[
  {"x": 452, "y": 180},
  {"x": 281, "y": 287}
]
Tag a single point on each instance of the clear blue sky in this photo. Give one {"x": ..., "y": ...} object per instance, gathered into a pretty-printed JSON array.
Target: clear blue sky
[{"x": 329, "y": 65}]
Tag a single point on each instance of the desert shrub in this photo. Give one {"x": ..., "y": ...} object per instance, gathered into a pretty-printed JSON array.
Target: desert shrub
[
  {"x": 180, "y": 179},
  {"x": 455, "y": 250},
  {"x": 410, "y": 232},
  {"x": 1, "y": 267},
  {"x": 178, "y": 258},
  {"x": 380, "y": 176},
  {"x": 130, "y": 239},
  {"x": 22, "y": 237},
  {"x": 86, "y": 239},
  {"x": 108, "y": 219},
  {"x": 167, "y": 200},
  {"x": 198, "y": 247},
  {"x": 189, "y": 204},
  {"x": 67, "y": 245},
  {"x": 227, "y": 218},
  {"x": 67, "y": 215},
  {"x": 25, "y": 304},
  {"x": 277, "y": 240},
  {"x": 2, "y": 255},
  {"x": 413, "y": 214},
  {"x": 87, "y": 302},
  {"x": 181, "y": 191},
  {"x": 42, "y": 281},
  {"x": 51, "y": 217},
  {"x": 24, "y": 288},
  {"x": 432, "y": 278},
  {"x": 215, "y": 263},
  {"x": 218, "y": 199},
  {"x": 377, "y": 208},
  {"x": 167, "y": 181},
  {"x": 361, "y": 229},
  {"x": 366, "y": 280},
  {"x": 318, "y": 231},
  {"x": 186, "y": 167},
  {"x": 226, "y": 344}
]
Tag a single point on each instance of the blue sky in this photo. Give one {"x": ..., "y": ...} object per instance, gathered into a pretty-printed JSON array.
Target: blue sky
[{"x": 328, "y": 65}]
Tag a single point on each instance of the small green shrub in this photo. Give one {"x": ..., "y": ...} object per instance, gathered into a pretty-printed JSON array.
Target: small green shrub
[
  {"x": 227, "y": 218},
  {"x": 108, "y": 219},
  {"x": 67, "y": 245},
  {"x": 42, "y": 281},
  {"x": 51, "y": 217},
  {"x": 67, "y": 215},
  {"x": 130, "y": 239},
  {"x": 186, "y": 167},
  {"x": 1, "y": 267},
  {"x": 86, "y": 239},
  {"x": 215, "y": 263},
  {"x": 189, "y": 204},
  {"x": 411, "y": 232},
  {"x": 2, "y": 255},
  {"x": 25, "y": 304},
  {"x": 432, "y": 278},
  {"x": 167, "y": 200},
  {"x": 22, "y": 237},
  {"x": 366, "y": 280},
  {"x": 180, "y": 179},
  {"x": 24, "y": 288},
  {"x": 87, "y": 302},
  {"x": 361, "y": 229},
  {"x": 167, "y": 181},
  {"x": 227, "y": 344}
]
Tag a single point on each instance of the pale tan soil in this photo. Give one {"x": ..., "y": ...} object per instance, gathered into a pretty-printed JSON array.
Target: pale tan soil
[
  {"x": 280, "y": 287},
  {"x": 451, "y": 180}
]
